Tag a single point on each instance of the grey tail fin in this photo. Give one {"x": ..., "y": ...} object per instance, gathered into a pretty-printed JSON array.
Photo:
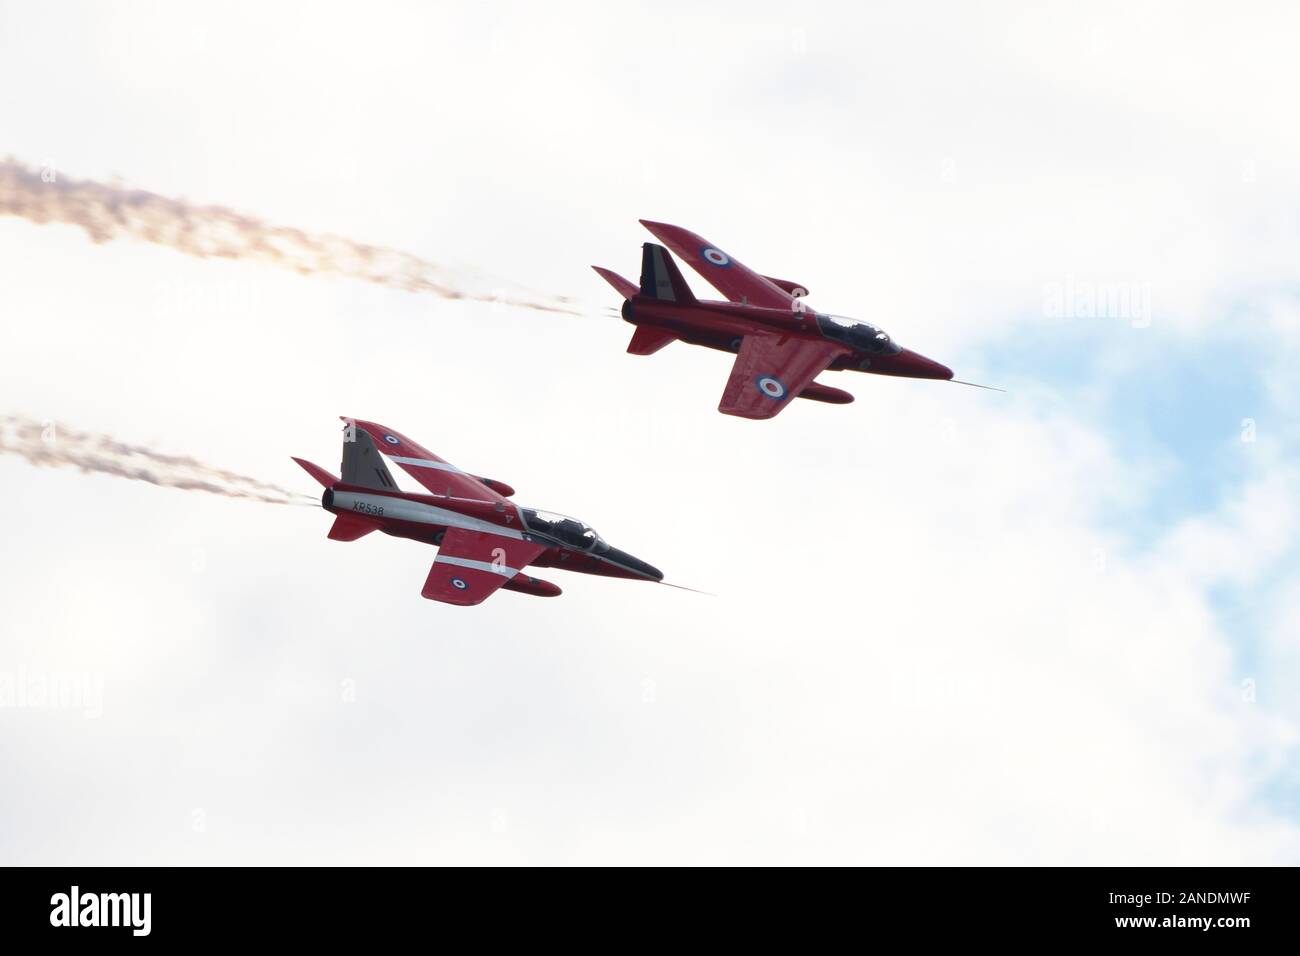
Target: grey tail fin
[
  {"x": 660, "y": 277},
  {"x": 363, "y": 465}
]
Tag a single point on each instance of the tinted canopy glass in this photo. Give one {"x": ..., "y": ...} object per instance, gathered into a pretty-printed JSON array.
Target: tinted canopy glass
[
  {"x": 862, "y": 336},
  {"x": 569, "y": 532}
]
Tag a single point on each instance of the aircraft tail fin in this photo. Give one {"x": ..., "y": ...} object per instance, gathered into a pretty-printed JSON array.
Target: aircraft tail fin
[
  {"x": 363, "y": 463},
  {"x": 624, "y": 287},
  {"x": 317, "y": 472},
  {"x": 660, "y": 277}
]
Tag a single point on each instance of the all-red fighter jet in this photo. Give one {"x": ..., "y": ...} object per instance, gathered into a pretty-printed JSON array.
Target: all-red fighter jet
[
  {"x": 780, "y": 343},
  {"x": 484, "y": 540}
]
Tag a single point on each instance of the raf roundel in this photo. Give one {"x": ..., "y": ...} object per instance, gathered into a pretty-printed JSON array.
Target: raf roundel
[
  {"x": 391, "y": 440},
  {"x": 770, "y": 386},
  {"x": 715, "y": 257},
  {"x": 458, "y": 584}
]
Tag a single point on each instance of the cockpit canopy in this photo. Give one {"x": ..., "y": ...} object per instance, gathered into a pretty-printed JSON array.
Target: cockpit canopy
[
  {"x": 569, "y": 532},
  {"x": 862, "y": 336}
]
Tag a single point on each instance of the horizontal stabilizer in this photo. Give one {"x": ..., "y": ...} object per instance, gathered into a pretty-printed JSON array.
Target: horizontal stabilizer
[
  {"x": 623, "y": 287},
  {"x": 348, "y": 528},
  {"x": 317, "y": 472},
  {"x": 647, "y": 340}
]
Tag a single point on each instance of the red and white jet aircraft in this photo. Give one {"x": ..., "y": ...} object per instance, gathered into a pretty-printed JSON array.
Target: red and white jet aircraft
[
  {"x": 780, "y": 343},
  {"x": 484, "y": 540}
]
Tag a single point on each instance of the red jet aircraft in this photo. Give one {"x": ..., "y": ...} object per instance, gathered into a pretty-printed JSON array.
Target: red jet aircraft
[
  {"x": 780, "y": 343},
  {"x": 484, "y": 541}
]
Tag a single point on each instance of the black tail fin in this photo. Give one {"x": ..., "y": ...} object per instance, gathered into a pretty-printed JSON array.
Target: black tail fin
[
  {"x": 363, "y": 465},
  {"x": 660, "y": 277}
]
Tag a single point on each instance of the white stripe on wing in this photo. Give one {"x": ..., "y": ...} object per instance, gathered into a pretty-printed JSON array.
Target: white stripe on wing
[
  {"x": 500, "y": 569},
  {"x": 426, "y": 463}
]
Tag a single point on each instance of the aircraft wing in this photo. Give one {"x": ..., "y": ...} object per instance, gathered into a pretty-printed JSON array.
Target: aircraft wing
[
  {"x": 471, "y": 565},
  {"x": 732, "y": 278},
  {"x": 770, "y": 370},
  {"x": 440, "y": 477}
]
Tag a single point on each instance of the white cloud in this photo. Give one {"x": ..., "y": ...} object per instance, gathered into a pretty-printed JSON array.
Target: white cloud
[{"x": 930, "y": 645}]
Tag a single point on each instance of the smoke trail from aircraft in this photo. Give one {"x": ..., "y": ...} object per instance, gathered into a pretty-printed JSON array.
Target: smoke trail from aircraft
[
  {"x": 46, "y": 444},
  {"x": 108, "y": 211}
]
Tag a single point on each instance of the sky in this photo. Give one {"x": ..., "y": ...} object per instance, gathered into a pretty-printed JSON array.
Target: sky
[{"x": 1052, "y": 626}]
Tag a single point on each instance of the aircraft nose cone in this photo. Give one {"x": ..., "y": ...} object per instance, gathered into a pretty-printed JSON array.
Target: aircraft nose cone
[
  {"x": 918, "y": 366},
  {"x": 625, "y": 560}
]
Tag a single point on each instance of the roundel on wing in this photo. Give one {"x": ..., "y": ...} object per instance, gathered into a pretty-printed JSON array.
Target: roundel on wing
[
  {"x": 391, "y": 440},
  {"x": 771, "y": 386},
  {"x": 715, "y": 257},
  {"x": 458, "y": 584}
]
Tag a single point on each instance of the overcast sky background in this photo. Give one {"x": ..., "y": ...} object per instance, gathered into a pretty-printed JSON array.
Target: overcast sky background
[{"x": 953, "y": 626}]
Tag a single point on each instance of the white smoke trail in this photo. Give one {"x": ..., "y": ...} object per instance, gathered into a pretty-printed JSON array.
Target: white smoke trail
[
  {"x": 48, "y": 445},
  {"x": 109, "y": 211}
]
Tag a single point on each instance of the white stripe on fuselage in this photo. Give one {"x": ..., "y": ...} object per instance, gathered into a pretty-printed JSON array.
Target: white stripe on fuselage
[
  {"x": 382, "y": 506},
  {"x": 500, "y": 569},
  {"x": 426, "y": 463}
]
